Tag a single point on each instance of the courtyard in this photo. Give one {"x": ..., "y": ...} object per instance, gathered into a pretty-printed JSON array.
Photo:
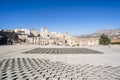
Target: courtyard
[{"x": 34, "y": 62}]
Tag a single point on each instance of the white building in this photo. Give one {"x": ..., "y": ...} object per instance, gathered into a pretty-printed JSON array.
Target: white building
[
  {"x": 44, "y": 32},
  {"x": 22, "y": 31}
]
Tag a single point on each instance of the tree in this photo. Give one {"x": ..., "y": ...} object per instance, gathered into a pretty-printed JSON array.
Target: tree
[
  {"x": 54, "y": 43},
  {"x": 104, "y": 40}
]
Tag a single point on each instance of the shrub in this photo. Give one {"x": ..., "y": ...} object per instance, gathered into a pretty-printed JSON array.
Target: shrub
[
  {"x": 115, "y": 43},
  {"x": 104, "y": 40}
]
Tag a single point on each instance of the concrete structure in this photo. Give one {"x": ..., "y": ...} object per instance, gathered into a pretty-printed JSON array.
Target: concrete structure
[
  {"x": 7, "y": 37},
  {"x": 22, "y": 31},
  {"x": 44, "y": 32},
  {"x": 75, "y": 41},
  {"x": 115, "y": 40}
]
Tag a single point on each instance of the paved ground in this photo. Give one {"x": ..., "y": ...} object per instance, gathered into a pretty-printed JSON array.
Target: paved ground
[
  {"x": 40, "y": 69},
  {"x": 110, "y": 57},
  {"x": 14, "y": 65},
  {"x": 62, "y": 51}
]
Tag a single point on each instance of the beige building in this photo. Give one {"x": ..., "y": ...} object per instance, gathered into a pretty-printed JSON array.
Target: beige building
[
  {"x": 115, "y": 39},
  {"x": 43, "y": 41},
  {"x": 44, "y": 32},
  {"x": 58, "y": 39},
  {"x": 75, "y": 41},
  {"x": 89, "y": 41},
  {"x": 37, "y": 40}
]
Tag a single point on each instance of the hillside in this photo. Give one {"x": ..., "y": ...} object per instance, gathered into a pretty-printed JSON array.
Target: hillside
[{"x": 109, "y": 32}]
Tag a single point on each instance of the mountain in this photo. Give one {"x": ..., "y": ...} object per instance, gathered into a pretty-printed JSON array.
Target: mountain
[{"x": 109, "y": 32}]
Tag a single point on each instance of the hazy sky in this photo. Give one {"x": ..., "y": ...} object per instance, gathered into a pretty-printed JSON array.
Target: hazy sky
[{"x": 73, "y": 16}]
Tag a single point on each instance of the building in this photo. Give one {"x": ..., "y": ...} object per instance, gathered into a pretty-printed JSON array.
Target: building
[
  {"x": 7, "y": 37},
  {"x": 44, "y": 32},
  {"x": 76, "y": 41},
  {"x": 22, "y": 34},
  {"x": 22, "y": 31},
  {"x": 53, "y": 38},
  {"x": 115, "y": 40}
]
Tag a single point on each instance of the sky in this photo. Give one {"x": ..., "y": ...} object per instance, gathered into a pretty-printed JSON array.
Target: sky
[{"x": 73, "y": 16}]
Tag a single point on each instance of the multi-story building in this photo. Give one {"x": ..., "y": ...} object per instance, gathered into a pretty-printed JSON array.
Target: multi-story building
[{"x": 44, "y": 32}]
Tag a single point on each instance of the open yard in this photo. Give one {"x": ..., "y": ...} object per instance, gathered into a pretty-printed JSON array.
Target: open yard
[{"x": 30, "y": 62}]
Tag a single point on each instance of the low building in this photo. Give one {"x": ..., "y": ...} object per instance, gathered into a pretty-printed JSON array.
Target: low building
[
  {"x": 7, "y": 37},
  {"x": 114, "y": 40},
  {"x": 90, "y": 41},
  {"x": 75, "y": 41}
]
